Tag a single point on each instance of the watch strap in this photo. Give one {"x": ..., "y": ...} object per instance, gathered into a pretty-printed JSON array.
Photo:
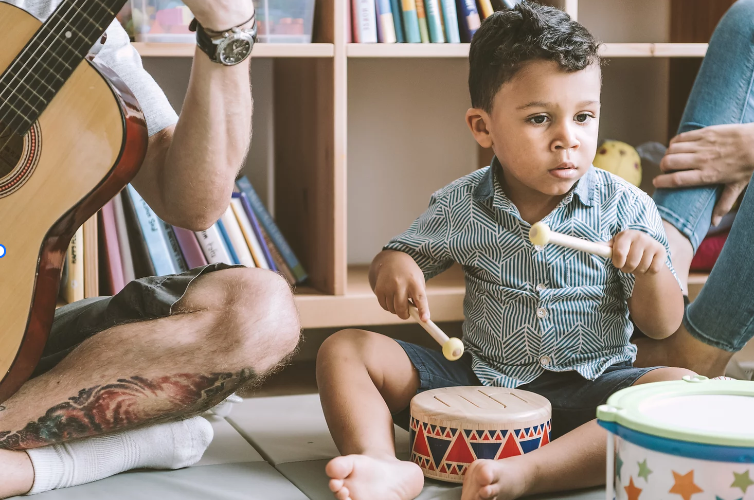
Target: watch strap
[{"x": 205, "y": 42}]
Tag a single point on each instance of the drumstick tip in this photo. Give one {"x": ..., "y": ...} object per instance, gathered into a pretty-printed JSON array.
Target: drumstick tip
[
  {"x": 453, "y": 349},
  {"x": 539, "y": 234}
]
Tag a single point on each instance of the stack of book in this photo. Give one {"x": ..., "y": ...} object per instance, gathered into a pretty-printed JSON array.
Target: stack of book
[
  {"x": 419, "y": 21},
  {"x": 134, "y": 243}
]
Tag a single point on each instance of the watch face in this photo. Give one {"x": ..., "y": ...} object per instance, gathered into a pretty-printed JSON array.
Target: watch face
[{"x": 235, "y": 51}]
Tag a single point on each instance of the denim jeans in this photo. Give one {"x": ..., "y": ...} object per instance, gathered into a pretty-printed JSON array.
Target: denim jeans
[{"x": 723, "y": 313}]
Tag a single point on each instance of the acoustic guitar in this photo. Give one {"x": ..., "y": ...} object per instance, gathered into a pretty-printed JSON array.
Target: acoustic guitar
[{"x": 71, "y": 137}]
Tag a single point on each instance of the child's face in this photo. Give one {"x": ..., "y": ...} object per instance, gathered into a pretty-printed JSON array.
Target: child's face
[{"x": 543, "y": 127}]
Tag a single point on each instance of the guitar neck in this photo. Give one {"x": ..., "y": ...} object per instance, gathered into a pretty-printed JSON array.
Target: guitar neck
[{"x": 49, "y": 59}]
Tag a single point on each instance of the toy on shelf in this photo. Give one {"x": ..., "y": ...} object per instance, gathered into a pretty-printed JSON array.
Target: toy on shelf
[
  {"x": 620, "y": 159},
  {"x": 540, "y": 235},
  {"x": 452, "y": 348}
]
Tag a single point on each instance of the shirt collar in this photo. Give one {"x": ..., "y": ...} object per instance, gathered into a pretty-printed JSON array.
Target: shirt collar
[{"x": 584, "y": 189}]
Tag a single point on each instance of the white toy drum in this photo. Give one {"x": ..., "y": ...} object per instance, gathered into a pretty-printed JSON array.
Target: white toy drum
[
  {"x": 452, "y": 427},
  {"x": 692, "y": 439}
]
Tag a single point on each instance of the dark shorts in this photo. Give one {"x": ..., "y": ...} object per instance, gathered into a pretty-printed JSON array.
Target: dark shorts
[
  {"x": 574, "y": 399},
  {"x": 141, "y": 300}
]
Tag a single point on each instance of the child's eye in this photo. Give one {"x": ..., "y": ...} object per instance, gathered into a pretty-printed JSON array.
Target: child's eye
[
  {"x": 583, "y": 117},
  {"x": 539, "y": 119}
]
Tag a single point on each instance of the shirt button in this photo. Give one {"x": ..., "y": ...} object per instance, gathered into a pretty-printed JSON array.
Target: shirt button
[
  {"x": 545, "y": 360},
  {"x": 541, "y": 287},
  {"x": 542, "y": 313}
]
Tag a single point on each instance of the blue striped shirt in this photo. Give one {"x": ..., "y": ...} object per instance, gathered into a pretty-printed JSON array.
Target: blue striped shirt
[{"x": 530, "y": 309}]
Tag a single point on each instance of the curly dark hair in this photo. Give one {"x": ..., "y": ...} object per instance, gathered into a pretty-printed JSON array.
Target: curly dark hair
[{"x": 530, "y": 31}]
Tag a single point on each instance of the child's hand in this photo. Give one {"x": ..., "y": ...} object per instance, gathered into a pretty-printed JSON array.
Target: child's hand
[
  {"x": 398, "y": 279},
  {"x": 637, "y": 253}
]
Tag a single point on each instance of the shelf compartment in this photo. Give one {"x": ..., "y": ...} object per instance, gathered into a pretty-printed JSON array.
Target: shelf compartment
[{"x": 281, "y": 50}]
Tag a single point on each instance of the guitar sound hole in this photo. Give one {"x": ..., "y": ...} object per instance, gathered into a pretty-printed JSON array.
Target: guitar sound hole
[{"x": 11, "y": 151}]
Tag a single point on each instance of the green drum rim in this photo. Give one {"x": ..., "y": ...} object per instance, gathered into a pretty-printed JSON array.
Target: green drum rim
[{"x": 622, "y": 408}]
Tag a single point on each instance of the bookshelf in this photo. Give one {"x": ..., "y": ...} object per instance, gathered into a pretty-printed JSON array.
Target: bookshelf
[{"x": 338, "y": 149}]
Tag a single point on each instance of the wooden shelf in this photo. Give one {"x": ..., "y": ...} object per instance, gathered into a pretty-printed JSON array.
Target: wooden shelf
[
  {"x": 260, "y": 49},
  {"x": 452, "y": 50}
]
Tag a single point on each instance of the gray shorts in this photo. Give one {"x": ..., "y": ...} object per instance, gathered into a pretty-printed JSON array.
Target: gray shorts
[{"x": 141, "y": 300}]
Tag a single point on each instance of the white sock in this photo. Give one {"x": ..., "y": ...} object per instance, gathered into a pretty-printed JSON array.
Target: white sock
[{"x": 171, "y": 445}]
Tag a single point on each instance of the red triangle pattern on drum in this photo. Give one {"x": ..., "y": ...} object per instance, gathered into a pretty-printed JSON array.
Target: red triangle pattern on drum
[
  {"x": 431, "y": 466},
  {"x": 448, "y": 434},
  {"x": 420, "y": 443},
  {"x": 498, "y": 436},
  {"x": 453, "y": 470},
  {"x": 460, "y": 451},
  {"x": 531, "y": 433},
  {"x": 522, "y": 435},
  {"x": 443, "y": 469},
  {"x": 545, "y": 438},
  {"x": 510, "y": 449},
  {"x": 438, "y": 432},
  {"x": 486, "y": 436}
]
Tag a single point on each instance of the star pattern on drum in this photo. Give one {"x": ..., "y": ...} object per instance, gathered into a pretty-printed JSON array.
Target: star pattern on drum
[
  {"x": 644, "y": 470},
  {"x": 718, "y": 498},
  {"x": 742, "y": 481},
  {"x": 684, "y": 485},
  {"x": 530, "y": 310},
  {"x": 632, "y": 491},
  {"x": 618, "y": 466}
]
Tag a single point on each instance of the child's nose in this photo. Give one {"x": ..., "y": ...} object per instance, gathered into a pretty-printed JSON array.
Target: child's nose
[{"x": 565, "y": 138}]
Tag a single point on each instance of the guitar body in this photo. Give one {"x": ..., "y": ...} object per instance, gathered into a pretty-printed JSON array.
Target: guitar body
[{"x": 86, "y": 146}]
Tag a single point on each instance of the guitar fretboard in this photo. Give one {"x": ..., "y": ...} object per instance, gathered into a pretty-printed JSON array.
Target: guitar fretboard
[{"x": 49, "y": 59}]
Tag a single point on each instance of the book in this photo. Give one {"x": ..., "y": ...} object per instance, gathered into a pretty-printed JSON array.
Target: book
[
  {"x": 421, "y": 14},
  {"x": 349, "y": 23},
  {"x": 278, "y": 259},
  {"x": 235, "y": 235},
  {"x": 395, "y": 6},
  {"x": 266, "y": 222},
  {"x": 364, "y": 21},
  {"x": 142, "y": 262},
  {"x": 434, "y": 21},
  {"x": 450, "y": 18},
  {"x": 247, "y": 228},
  {"x": 213, "y": 246},
  {"x": 90, "y": 258},
  {"x": 190, "y": 248},
  {"x": 385, "y": 25},
  {"x": 72, "y": 289},
  {"x": 228, "y": 244},
  {"x": 124, "y": 244},
  {"x": 411, "y": 21},
  {"x": 468, "y": 19},
  {"x": 257, "y": 228},
  {"x": 153, "y": 233},
  {"x": 111, "y": 253},
  {"x": 485, "y": 8},
  {"x": 179, "y": 262}
]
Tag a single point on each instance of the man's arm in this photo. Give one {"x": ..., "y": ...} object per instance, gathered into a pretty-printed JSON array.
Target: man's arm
[{"x": 187, "y": 177}]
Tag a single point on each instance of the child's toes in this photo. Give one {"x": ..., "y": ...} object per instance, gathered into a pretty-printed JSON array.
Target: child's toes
[
  {"x": 343, "y": 494},
  {"x": 336, "y": 485}
]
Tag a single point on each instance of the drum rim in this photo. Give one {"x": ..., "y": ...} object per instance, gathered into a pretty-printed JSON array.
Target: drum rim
[{"x": 622, "y": 410}]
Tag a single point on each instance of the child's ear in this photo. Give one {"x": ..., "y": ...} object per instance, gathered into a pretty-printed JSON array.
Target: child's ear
[{"x": 477, "y": 120}]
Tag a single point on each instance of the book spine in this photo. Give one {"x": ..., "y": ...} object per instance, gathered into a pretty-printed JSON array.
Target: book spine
[
  {"x": 485, "y": 8},
  {"x": 112, "y": 249},
  {"x": 450, "y": 17},
  {"x": 123, "y": 240},
  {"x": 91, "y": 258},
  {"x": 73, "y": 290},
  {"x": 228, "y": 244},
  {"x": 248, "y": 231},
  {"x": 213, "y": 246},
  {"x": 235, "y": 235},
  {"x": 385, "y": 25},
  {"x": 365, "y": 22},
  {"x": 272, "y": 229},
  {"x": 349, "y": 23},
  {"x": 190, "y": 247},
  {"x": 142, "y": 262},
  {"x": 175, "y": 249},
  {"x": 421, "y": 13},
  {"x": 278, "y": 259},
  {"x": 434, "y": 20},
  {"x": 468, "y": 19},
  {"x": 411, "y": 21},
  {"x": 257, "y": 229},
  {"x": 154, "y": 236},
  {"x": 395, "y": 6}
]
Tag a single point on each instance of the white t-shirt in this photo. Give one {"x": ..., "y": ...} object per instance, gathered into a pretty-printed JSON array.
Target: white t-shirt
[{"x": 119, "y": 55}]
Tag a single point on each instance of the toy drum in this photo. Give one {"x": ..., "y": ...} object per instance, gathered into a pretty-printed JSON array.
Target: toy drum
[
  {"x": 452, "y": 427},
  {"x": 692, "y": 438}
]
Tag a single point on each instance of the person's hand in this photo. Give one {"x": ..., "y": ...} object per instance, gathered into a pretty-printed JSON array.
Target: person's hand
[
  {"x": 637, "y": 253},
  {"x": 221, "y": 15},
  {"x": 398, "y": 279},
  {"x": 718, "y": 154}
]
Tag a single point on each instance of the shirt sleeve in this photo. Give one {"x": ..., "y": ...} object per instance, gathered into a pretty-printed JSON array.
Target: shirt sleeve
[
  {"x": 641, "y": 214},
  {"x": 119, "y": 55},
  {"x": 426, "y": 239}
]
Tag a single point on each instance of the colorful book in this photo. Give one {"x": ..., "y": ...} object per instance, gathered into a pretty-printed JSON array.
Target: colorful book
[
  {"x": 237, "y": 240},
  {"x": 176, "y": 255},
  {"x": 213, "y": 246},
  {"x": 450, "y": 18},
  {"x": 91, "y": 260},
  {"x": 364, "y": 21},
  {"x": 485, "y": 8},
  {"x": 411, "y": 21},
  {"x": 278, "y": 259},
  {"x": 190, "y": 248},
  {"x": 72, "y": 290},
  {"x": 395, "y": 6},
  {"x": 385, "y": 25},
  {"x": 124, "y": 243},
  {"x": 257, "y": 227},
  {"x": 349, "y": 23},
  {"x": 247, "y": 228},
  {"x": 154, "y": 235},
  {"x": 266, "y": 222},
  {"x": 114, "y": 265},
  {"x": 468, "y": 19},
  {"x": 228, "y": 244},
  {"x": 434, "y": 21},
  {"x": 142, "y": 262},
  {"x": 421, "y": 14}
]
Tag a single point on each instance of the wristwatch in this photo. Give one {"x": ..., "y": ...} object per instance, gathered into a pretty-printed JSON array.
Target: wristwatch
[{"x": 230, "y": 47}]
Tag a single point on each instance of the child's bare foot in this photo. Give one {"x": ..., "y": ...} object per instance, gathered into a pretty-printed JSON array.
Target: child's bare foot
[
  {"x": 361, "y": 477},
  {"x": 494, "y": 480}
]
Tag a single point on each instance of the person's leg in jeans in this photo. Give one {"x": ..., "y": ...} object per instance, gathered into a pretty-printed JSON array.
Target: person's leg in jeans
[{"x": 718, "y": 323}]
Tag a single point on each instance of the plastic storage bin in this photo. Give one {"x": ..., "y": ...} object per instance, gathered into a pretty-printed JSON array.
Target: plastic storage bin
[{"x": 278, "y": 21}]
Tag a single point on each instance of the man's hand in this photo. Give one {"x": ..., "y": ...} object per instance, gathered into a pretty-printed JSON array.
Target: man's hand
[
  {"x": 397, "y": 278},
  {"x": 221, "y": 15},
  {"x": 719, "y": 154},
  {"x": 637, "y": 253}
]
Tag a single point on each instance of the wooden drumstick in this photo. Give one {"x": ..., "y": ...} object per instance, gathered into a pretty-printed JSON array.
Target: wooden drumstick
[
  {"x": 452, "y": 348},
  {"x": 540, "y": 235}
]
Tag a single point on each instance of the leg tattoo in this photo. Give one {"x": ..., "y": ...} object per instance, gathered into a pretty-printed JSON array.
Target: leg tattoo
[{"x": 124, "y": 404}]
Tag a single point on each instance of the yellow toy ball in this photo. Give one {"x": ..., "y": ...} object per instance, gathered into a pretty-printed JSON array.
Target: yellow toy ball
[
  {"x": 620, "y": 159},
  {"x": 452, "y": 349}
]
